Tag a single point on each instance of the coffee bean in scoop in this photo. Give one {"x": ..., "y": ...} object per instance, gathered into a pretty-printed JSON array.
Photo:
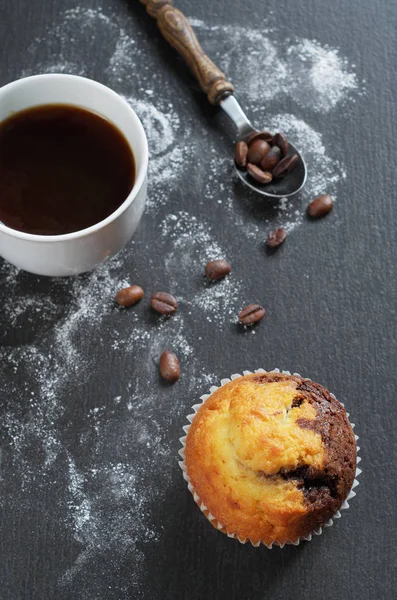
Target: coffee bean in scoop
[{"x": 265, "y": 157}]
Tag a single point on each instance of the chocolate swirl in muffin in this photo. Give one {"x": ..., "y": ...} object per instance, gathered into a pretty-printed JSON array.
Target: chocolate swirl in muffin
[{"x": 272, "y": 456}]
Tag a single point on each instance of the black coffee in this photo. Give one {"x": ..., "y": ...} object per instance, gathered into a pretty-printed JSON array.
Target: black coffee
[{"x": 62, "y": 169}]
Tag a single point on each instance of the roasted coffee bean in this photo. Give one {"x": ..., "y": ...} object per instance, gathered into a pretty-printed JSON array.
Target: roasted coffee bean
[
  {"x": 276, "y": 237},
  {"x": 271, "y": 159},
  {"x": 170, "y": 368},
  {"x": 240, "y": 154},
  {"x": 281, "y": 141},
  {"x": 163, "y": 303},
  {"x": 129, "y": 296},
  {"x": 259, "y": 175},
  {"x": 320, "y": 206},
  {"x": 251, "y": 314},
  {"x": 257, "y": 150},
  {"x": 285, "y": 166},
  {"x": 217, "y": 269},
  {"x": 259, "y": 135}
]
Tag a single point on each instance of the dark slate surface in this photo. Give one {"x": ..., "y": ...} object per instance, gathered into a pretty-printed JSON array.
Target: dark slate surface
[{"x": 330, "y": 295}]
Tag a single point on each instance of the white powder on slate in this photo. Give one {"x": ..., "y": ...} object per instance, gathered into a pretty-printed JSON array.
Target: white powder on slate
[
  {"x": 313, "y": 75},
  {"x": 96, "y": 527},
  {"x": 91, "y": 303},
  {"x": 193, "y": 246},
  {"x": 91, "y": 298},
  {"x": 17, "y": 307},
  {"x": 327, "y": 76},
  {"x": 324, "y": 172},
  {"x": 319, "y": 80},
  {"x": 166, "y": 156}
]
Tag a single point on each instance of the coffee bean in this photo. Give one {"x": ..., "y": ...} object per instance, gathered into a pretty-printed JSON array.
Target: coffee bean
[
  {"x": 163, "y": 303},
  {"x": 257, "y": 150},
  {"x": 169, "y": 366},
  {"x": 281, "y": 141},
  {"x": 217, "y": 269},
  {"x": 261, "y": 135},
  {"x": 271, "y": 159},
  {"x": 285, "y": 166},
  {"x": 259, "y": 175},
  {"x": 251, "y": 314},
  {"x": 320, "y": 206},
  {"x": 276, "y": 237},
  {"x": 240, "y": 154},
  {"x": 129, "y": 296}
]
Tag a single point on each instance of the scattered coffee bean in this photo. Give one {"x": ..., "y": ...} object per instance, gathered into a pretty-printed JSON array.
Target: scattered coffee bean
[
  {"x": 285, "y": 166},
  {"x": 259, "y": 175},
  {"x": 169, "y": 366},
  {"x": 281, "y": 141},
  {"x": 163, "y": 303},
  {"x": 276, "y": 237},
  {"x": 320, "y": 206},
  {"x": 240, "y": 155},
  {"x": 251, "y": 314},
  {"x": 129, "y": 296},
  {"x": 259, "y": 135},
  {"x": 257, "y": 150},
  {"x": 271, "y": 159},
  {"x": 217, "y": 269}
]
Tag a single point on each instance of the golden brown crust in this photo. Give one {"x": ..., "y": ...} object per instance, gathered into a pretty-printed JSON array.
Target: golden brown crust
[{"x": 272, "y": 456}]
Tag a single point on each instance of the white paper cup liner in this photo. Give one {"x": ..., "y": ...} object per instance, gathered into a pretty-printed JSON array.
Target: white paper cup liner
[{"x": 203, "y": 507}]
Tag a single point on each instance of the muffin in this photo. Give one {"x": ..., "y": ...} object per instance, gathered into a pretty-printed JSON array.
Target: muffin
[{"x": 270, "y": 457}]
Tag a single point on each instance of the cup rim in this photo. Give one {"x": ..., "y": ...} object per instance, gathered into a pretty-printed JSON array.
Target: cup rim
[{"x": 139, "y": 180}]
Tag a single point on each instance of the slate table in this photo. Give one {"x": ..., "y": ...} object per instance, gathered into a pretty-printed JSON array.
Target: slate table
[{"x": 92, "y": 502}]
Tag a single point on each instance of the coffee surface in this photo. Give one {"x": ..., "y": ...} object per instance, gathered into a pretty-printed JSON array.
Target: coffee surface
[{"x": 62, "y": 169}]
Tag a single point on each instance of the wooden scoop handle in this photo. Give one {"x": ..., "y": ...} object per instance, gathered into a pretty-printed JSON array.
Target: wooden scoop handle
[{"x": 177, "y": 31}]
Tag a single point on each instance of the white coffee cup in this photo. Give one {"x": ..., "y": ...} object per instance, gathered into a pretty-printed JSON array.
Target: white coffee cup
[{"x": 80, "y": 251}]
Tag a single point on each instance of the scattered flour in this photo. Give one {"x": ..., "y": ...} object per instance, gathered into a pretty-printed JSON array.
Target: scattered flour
[
  {"x": 192, "y": 246},
  {"x": 328, "y": 77},
  {"x": 63, "y": 362},
  {"x": 167, "y": 156},
  {"x": 264, "y": 69},
  {"x": 324, "y": 172},
  {"x": 111, "y": 519}
]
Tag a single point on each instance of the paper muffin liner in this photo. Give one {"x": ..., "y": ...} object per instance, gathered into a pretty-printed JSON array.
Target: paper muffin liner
[{"x": 182, "y": 463}]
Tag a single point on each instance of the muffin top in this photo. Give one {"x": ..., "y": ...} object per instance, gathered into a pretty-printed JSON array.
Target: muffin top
[{"x": 272, "y": 456}]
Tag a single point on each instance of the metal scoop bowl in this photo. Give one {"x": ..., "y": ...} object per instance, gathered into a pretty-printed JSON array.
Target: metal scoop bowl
[{"x": 177, "y": 31}]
